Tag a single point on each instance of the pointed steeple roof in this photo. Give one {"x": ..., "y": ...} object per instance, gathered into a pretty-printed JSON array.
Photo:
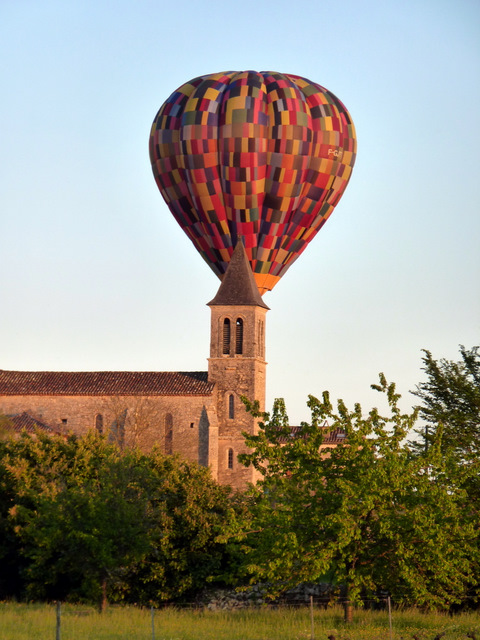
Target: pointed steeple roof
[{"x": 238, "y": 286}]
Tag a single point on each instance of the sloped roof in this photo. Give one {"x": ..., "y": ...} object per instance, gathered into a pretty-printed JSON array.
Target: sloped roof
[
  {"x": 334, "y": 436},
  {"x": 238, "y": 285},
  {"x": 25, "y": 422},
  {"x": 99, "y": 383}
]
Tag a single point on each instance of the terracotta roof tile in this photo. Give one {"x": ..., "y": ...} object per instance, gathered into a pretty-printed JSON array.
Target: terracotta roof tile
[
  {"x": 335, "y": 436},
  {"x": 99, "y": 383},
  {"x": 25, "y": 422}
]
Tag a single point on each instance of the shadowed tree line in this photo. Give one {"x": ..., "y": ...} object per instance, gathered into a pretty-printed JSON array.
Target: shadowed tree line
[
  {"x": 83, "y": 520},
  {"x": 381, "y": 513}
]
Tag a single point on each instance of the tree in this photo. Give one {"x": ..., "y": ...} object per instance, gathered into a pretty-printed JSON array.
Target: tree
[
  {"x": 451, "y": 404},
  {"x": 451, "y": 398},
  {"x": 6, "y": 427},
  {"x": 78, "y": 514},
  {"x": 10, "y": 558},
  {"x": 188, "y": 511},
  {"x": 279, "y": 413},
  {"x": 86, "y": 519},
  {"x": 366, "y": 514}
]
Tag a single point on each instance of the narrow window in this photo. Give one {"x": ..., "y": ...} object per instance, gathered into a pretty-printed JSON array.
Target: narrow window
[
  {"x": 230, "y": 459},
  {"x": 226, "y": 336},
  {"x": 239, "y": 336},
  {"x": 231, "y": 406},
  {"x": 99, "y": 423},
  {"x": 168, "y": 434}
]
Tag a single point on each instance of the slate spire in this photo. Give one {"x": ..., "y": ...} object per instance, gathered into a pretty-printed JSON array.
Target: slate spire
[{"x": 238, "y": 286}]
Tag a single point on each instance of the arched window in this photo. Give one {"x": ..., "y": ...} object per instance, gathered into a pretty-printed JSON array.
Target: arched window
[
  {"x": 168, "y": 434},
  {"x": 230, "y": 459},
  {"x": 99, "y": 423},
  {"x": 226, "y": 336},
  {"x": 231, "y": 406},
  {"x": 239, "y": 336}
]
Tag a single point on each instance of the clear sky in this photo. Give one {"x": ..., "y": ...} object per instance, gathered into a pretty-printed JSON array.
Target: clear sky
[{"x": 96, "y": 274}]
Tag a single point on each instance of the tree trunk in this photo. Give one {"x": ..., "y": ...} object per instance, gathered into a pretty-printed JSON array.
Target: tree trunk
[
  {"x": 348, "y": 611},
  {"x": 103, "y": 597},
  {"x": 347, "y": 607}
]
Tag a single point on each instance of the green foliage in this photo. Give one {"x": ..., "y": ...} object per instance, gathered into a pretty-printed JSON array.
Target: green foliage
[
  {"x": 279, "y": 413},
  {"x": 81, "y": 516},
  {"x": 451, "y": 398},
  {"x": 187, "y": 513},
  {"x": 77, "y": 513},
  {"x": 451, "y": 407},
  {"x": 367, "y": 514},
  {"x": 6, "y": 427},
  {"x": 10, "y": 558}
]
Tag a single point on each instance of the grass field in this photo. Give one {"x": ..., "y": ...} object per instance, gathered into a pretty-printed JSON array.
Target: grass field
[{"x": 38, "y": 622}]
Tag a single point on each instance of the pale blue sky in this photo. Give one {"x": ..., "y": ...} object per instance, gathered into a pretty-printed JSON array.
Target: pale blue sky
[{"x": 95, "y": 273}]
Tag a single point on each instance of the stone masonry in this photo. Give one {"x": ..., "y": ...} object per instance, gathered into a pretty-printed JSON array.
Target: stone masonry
[{"x": 198, "y": 415}]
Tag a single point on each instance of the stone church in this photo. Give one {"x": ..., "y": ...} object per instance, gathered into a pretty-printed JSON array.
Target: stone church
[{"x": 197, "y": 414}]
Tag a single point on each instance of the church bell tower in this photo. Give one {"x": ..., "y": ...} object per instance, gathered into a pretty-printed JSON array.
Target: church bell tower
[{"x": 237, "y": 364}]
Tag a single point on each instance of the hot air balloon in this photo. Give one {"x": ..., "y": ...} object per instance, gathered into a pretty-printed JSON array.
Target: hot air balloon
[{"x": 259, "y": 156}]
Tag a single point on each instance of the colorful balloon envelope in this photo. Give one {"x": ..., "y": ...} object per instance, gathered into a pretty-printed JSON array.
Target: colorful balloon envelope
[{"x": 262, "y": 157}]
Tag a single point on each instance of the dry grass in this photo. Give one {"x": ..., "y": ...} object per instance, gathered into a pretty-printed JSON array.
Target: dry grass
[{"x": 38, "y": 622}]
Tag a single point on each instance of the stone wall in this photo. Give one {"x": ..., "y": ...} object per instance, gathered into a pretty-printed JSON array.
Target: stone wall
[
  {"x": 256, "y": 596},
  {"x": 134, "y": 420},
  {"x": 236, "y": 372}
]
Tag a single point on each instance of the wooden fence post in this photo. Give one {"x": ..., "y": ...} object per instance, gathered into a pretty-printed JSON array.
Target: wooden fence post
[
  {"x": 390, "y": 617},
  {"x": 311, "y": 618},
  {"x": 59, "y": 621}
]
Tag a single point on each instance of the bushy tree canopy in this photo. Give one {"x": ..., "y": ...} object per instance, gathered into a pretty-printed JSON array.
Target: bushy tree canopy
[
  {"x": 81, "y": 517},
  {"x": 367, "y": 514},
  {"x": 450, "y": 397}
]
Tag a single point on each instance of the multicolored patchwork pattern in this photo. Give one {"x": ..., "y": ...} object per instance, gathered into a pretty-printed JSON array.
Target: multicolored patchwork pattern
[{"x": 264, "y": 157}]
